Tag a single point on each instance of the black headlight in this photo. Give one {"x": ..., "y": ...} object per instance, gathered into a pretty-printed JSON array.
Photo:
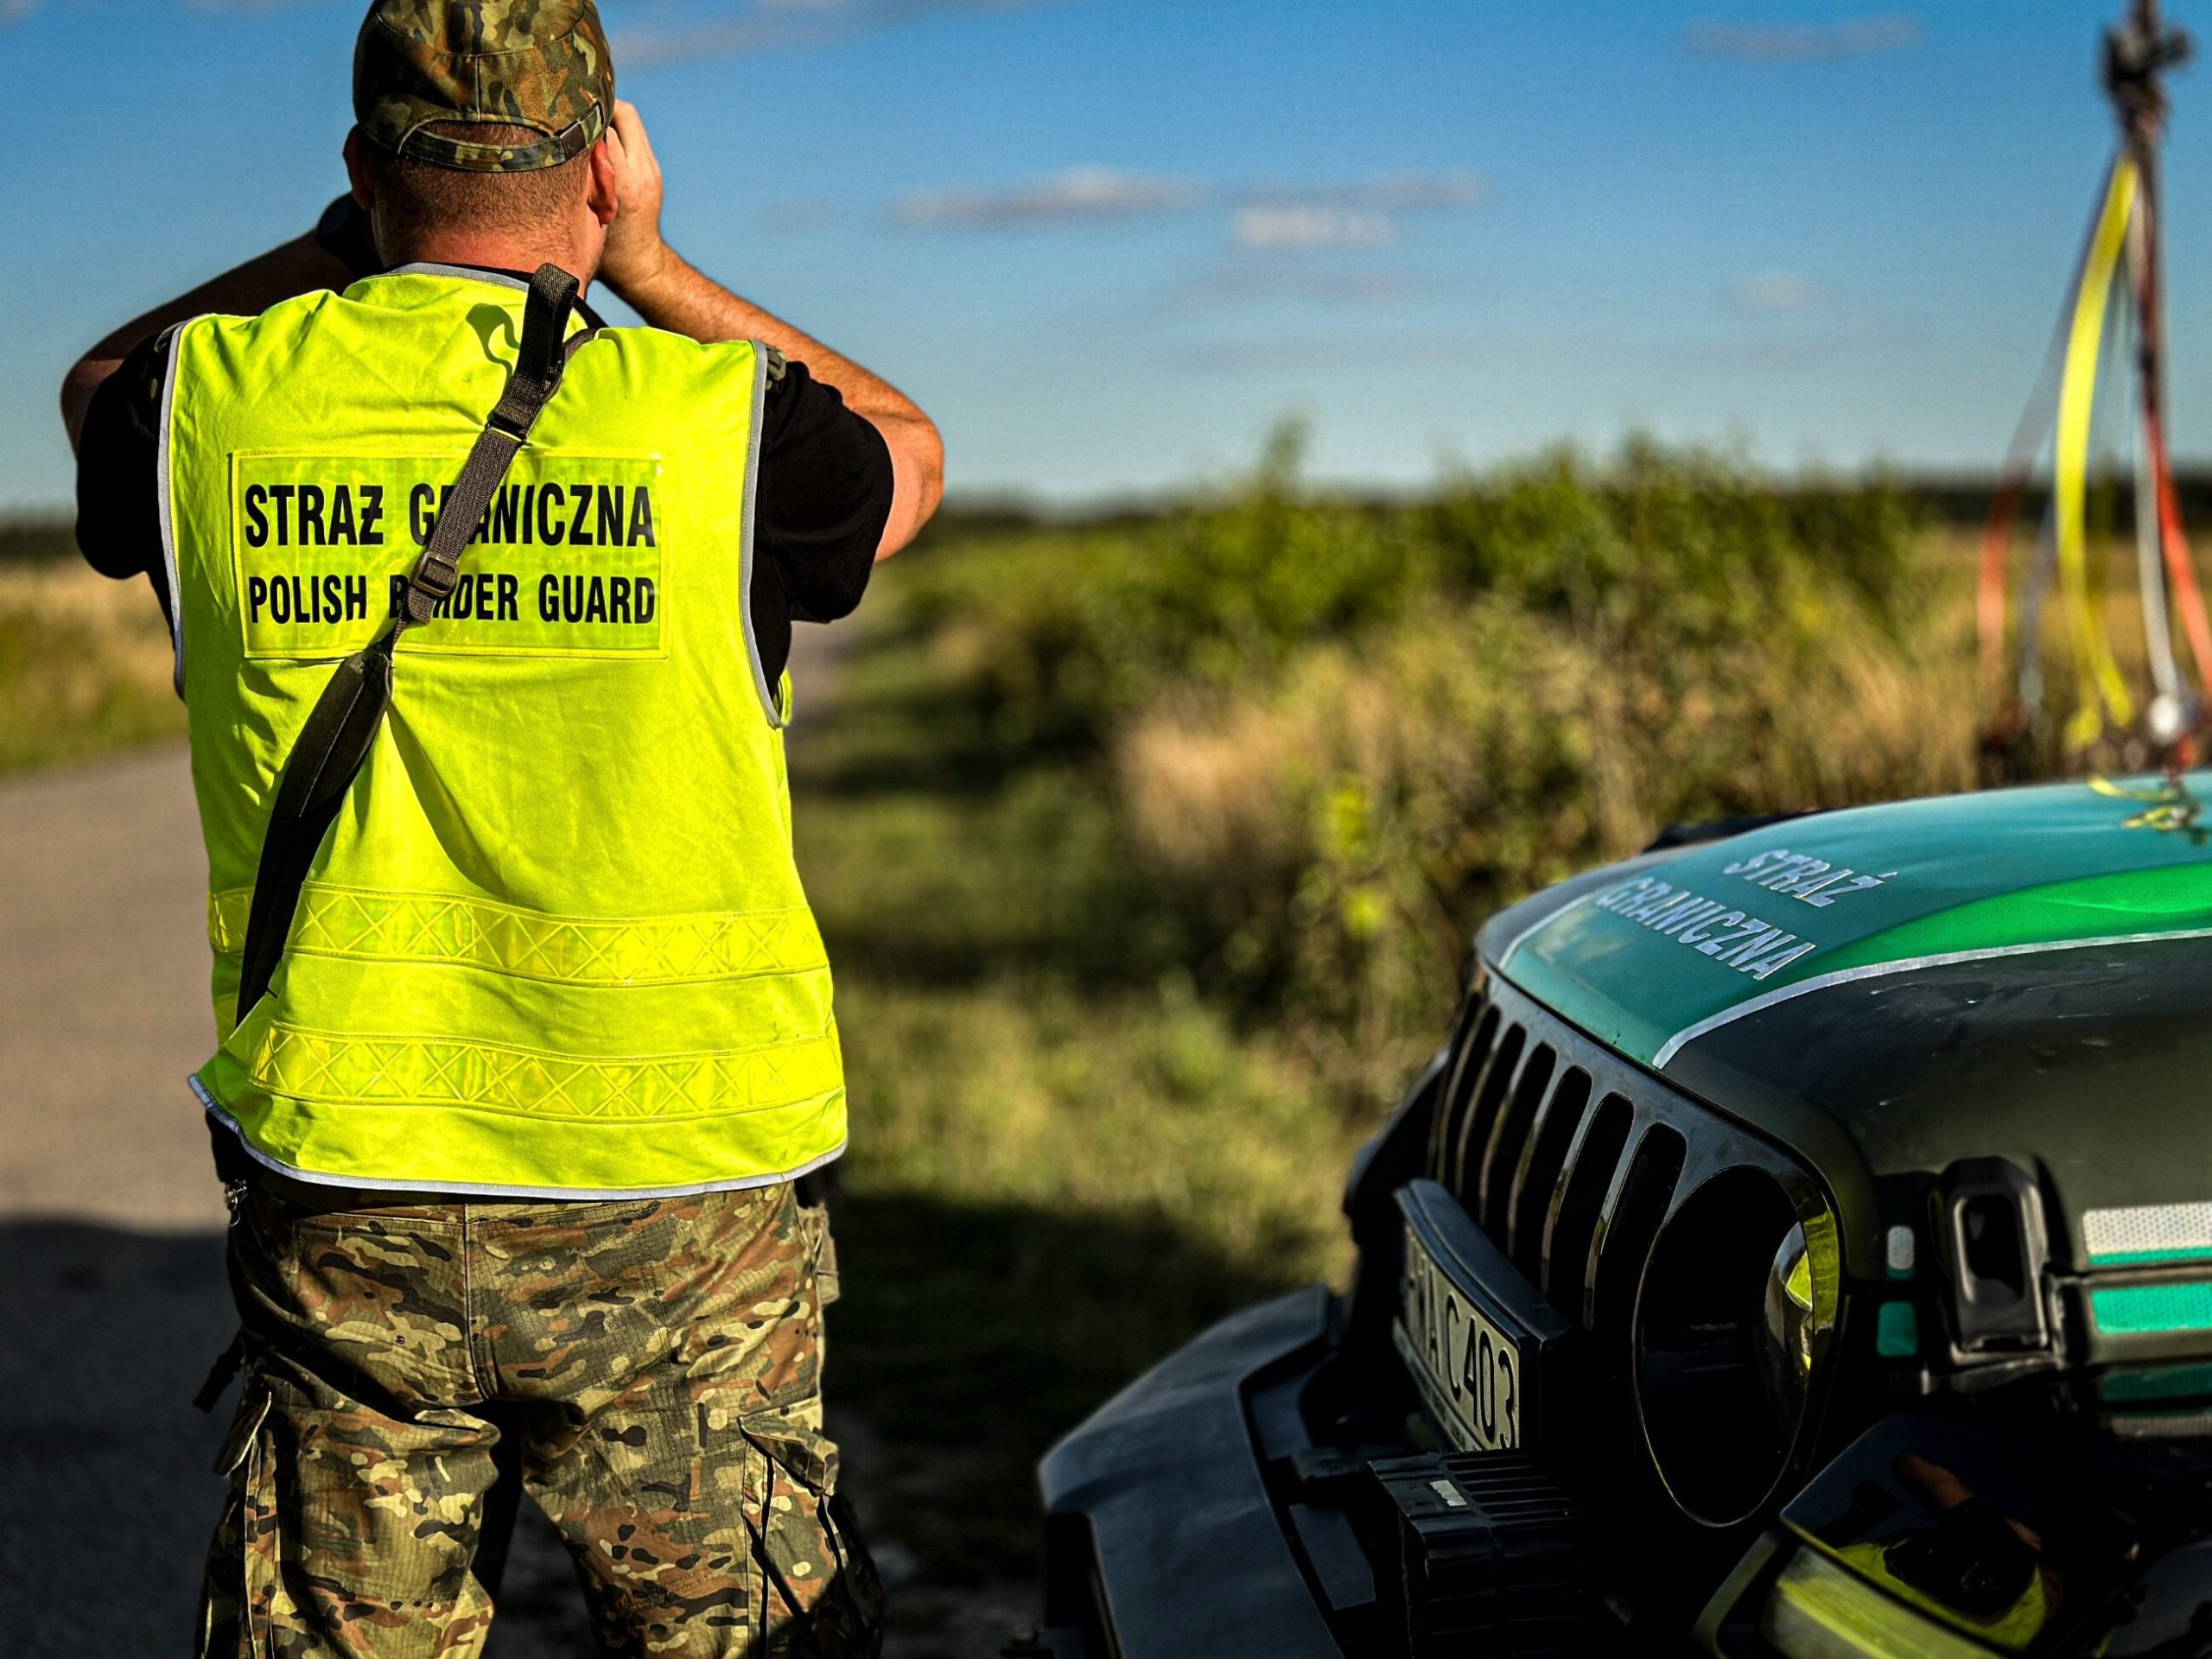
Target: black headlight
[{"x": 1730, "y": 1325}]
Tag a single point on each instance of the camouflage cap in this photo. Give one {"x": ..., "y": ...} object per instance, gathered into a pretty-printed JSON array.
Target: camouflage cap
[{"x": 542, "y": 64}]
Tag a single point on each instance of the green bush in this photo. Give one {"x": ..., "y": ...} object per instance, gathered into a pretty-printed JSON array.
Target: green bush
[
  {"x": 1337, "y": 735},
  {"x": 39, "y": 541},
  {"x": 1068, "y": 630}
]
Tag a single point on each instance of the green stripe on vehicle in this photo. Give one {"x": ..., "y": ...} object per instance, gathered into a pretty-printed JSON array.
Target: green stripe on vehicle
[
  {"x": 2145, "y": 1309},
  {"x": 2159, "y": 1383}
]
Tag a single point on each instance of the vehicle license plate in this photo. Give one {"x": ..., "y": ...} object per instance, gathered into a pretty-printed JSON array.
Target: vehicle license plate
[{"x": 1468, "y": 1369}]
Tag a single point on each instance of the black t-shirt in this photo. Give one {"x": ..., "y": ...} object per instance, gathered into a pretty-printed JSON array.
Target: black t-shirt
[{"x": 824, "y": 496}]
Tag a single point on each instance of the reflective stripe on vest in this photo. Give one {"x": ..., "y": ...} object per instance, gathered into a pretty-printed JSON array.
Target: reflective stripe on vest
[{"x": 555, "y": 942}]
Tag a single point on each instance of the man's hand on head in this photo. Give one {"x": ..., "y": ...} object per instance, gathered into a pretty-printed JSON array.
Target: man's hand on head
[
  {"x": 669, "y": 293},
  {"x": 635, "y": 254}
]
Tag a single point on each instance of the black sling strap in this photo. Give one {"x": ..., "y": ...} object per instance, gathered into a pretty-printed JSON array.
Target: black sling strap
[{"x": 341, "y": 729}]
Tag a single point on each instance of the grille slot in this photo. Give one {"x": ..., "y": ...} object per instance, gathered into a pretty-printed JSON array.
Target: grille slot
[
  {"x": 1590, "y": 1165},
  {"x": 1466, "y": 1069},
  {"x": 1626, "y": 1234},
  {"x": 1537, "y": 1177},
  {"x": 1509, "y": 1137},
  {"x": 1474, "y": 1125}
]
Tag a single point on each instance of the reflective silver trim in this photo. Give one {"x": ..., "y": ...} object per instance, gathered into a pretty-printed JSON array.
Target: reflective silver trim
[
  {"x": 2160, "y": 1425},
  {"x": 1674, "y": 1045},
  {"x": 464, "y": 1190},
  {"x": 768, "y": 698},
  {"x": 469, "y": 273},
  {"x": 2146, "y": 1227},
  {"x": 1535, "y": 928},
  {"x": 167, "y": 508}
]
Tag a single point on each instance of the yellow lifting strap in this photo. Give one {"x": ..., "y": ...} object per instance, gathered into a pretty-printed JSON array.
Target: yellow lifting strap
[{"x": 2102, "y": 691}]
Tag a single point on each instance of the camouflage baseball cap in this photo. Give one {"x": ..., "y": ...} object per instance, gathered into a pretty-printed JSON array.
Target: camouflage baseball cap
[{"x": 526, "y": 63}]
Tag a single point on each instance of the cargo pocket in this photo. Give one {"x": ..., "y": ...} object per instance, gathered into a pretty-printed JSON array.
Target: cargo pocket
[
  {"x": 238, "y": 1585},
  {"x": 818, "y": 1589}
]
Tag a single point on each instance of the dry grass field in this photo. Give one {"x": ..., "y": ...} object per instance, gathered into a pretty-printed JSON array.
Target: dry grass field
[{"x": 84, "y": 664}]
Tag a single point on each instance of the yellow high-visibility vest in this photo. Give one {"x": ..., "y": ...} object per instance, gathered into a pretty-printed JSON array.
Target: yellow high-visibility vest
[{"x": 555, "y": 942}]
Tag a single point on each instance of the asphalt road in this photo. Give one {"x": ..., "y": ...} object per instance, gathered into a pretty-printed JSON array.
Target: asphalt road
[
  {"x": 112, "y": 1294},
  {"x": 112, "y": 1301}
]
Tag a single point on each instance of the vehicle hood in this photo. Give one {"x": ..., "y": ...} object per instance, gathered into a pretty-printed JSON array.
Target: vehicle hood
[
  {"x": 2024, "y": 973},
  {"x": 1670, "y": 952}
]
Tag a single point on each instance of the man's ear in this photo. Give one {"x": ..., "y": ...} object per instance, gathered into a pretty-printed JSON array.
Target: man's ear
[
  {"x": 357, "y": 171},
  {"x": 603, "y": 195}
]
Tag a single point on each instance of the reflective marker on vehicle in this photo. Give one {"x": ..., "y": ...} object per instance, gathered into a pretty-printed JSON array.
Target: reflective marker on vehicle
[
  {"x": 1898, "y": 1252},
  {"x": 2157, "y": 1382},
  {"x": 2145, "y": 1233},
  {"x": 2135, "y": 1310}
]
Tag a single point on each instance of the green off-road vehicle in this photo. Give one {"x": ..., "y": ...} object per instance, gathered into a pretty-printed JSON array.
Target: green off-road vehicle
[{"x": 1802, "y": 1247}]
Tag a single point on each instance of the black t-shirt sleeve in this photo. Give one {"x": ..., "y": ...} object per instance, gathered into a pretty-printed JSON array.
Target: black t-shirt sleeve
[
  {"x": 825, "y": 497},
  {"x": 118, "y": 476}
]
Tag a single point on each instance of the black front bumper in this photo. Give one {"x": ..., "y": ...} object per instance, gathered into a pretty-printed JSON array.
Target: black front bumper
[{"x": 1163, "y": 1537}]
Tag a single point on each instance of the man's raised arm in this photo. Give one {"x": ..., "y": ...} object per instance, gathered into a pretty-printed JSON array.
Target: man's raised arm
[
  {"x": 299, "y": 266},
  {"x": 670, "y": 293}
]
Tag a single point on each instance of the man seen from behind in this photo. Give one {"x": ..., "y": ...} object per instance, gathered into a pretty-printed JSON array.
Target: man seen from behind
[{"x": 526, "y": 1030}]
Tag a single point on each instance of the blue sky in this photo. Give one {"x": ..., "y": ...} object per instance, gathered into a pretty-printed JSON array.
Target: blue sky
[{"x": 1107, "y": 241}]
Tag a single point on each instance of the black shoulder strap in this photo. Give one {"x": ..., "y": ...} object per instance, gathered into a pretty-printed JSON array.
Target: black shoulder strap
[{"x": 341, "y": 729}]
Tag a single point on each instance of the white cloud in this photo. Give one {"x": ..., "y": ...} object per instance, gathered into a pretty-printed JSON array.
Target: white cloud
[
  {"x": 1274, "y": 217},
  {"x": 1262, "y": 229},
  {"x": 1776, "y": 293},
  {"x": 1080, "y": 194},
  {"x": 1277, "y": 217},
  {"x": 1805, "y": 43},
  {"x": 1361, "y": 214},
  {"x": 1387, "y": 192}
]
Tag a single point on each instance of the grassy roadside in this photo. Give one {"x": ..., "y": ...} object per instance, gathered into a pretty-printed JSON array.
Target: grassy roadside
[
  {"x": 1061, "y": 1168},
  {"x": 84, "y": 664}
]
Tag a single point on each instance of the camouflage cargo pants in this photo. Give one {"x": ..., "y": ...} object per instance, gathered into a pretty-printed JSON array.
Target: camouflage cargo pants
[{"x": 660, "y": 1360}]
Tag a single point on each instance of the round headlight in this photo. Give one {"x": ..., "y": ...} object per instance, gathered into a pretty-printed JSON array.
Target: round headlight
[
  {"x": 1785, "y": 1339},
  {"x": 1727, "y": 1326}
]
